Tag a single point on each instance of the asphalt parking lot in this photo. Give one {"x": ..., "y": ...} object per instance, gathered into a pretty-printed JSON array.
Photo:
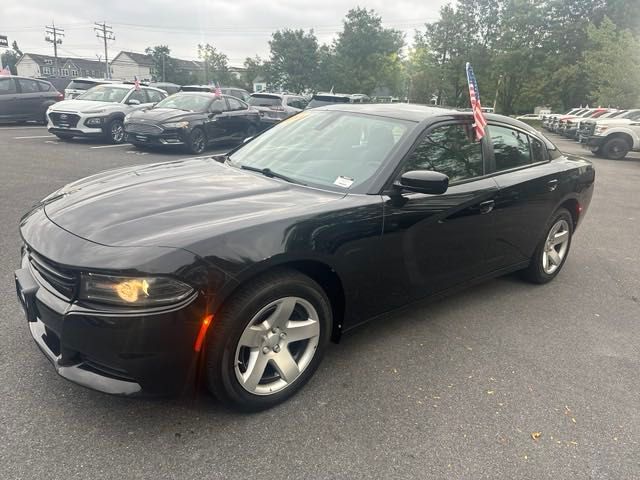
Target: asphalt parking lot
[{"x": 453, "y": 389}]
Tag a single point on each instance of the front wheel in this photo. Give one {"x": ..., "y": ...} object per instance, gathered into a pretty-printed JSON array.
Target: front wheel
[
  {"x": 197, "y": 141},
  {"x": 115, "y": 131},
  {"x": 266, "y": 343},
  {"x": 553, "y": 250}
]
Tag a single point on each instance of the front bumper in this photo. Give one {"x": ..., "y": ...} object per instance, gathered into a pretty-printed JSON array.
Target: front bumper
[
  {"x": 116, "y": 352},
  {"x": 74, "y": 123},
  {"x": 592, "y": 141},
  {"x": 164, "y": 138}
]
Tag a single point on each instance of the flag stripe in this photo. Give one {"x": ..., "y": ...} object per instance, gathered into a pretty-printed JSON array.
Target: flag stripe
[{"x": 479, "y": 120}]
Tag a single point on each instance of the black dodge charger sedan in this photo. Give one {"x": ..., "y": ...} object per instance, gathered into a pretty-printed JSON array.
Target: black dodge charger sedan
[
  {"x": 238, "y": 270},
  {"x": 192, "y": 119}
]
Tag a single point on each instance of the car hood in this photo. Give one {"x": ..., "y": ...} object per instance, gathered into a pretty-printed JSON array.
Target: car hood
[
  {"x": 612, "y": 121},
  {"x": 175, "y": 203},
  {"x": 160, "y": 115},
  {"x": 83, "y": 106}
]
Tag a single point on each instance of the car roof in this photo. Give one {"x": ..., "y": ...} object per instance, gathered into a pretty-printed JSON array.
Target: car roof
[{"x": 96, "y": 80}]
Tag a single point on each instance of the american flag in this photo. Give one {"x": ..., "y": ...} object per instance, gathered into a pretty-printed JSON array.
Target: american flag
[
  {"x": 218, "y": 91},
  {"x": 136, "y": 83},
  {"x": 479, "y": 122}
]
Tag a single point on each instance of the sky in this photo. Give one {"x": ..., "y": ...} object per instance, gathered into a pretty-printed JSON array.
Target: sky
[{"x": 238, "y": 28}]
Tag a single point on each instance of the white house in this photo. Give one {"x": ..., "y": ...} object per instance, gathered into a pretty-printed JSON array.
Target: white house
[
  {"x": 127, "y": 65},
  {"x": 36, "y": 65}
]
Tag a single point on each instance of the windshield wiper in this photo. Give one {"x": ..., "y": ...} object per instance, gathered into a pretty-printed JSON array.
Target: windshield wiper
[{"x": 267, "y": 172}]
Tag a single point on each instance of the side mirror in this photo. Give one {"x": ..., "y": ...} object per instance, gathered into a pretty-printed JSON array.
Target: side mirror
[
  {"x": 133, "y": 101},
  {"x": 424, "y": 181},
  {"x": 215, "y": 112}
]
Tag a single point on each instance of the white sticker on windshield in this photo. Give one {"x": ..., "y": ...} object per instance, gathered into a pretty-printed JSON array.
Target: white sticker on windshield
[{"x": 344, "y": 182}]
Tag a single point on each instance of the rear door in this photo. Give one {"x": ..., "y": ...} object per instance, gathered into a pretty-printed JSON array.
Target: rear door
[
  {"x": 435, "y": 242},
  {"x": 530, "y": 188},
  {"x": 236, "y": 120},
  {"x": 30, "y": 99},
  {"x": 8, "y": 98}
]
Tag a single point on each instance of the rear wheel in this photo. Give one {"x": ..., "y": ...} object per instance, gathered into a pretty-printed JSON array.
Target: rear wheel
[
  {"x": 197, "y": 141},
  {"x": 552, "y": 252},
  {"x": 266, "y": 343},
  {"x": 115, "y": 131},
  {"x": 597, "y": 151},
  {"x": 616, "y": 148}
]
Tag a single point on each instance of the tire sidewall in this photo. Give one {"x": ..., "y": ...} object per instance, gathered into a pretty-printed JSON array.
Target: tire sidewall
[
  {"x": 221, "y": 349},
  {"x": 192, "y": 149},
  {"x": 616, "y": 156},
  {"x": 109, "y": 129},
  {"x": 536, "y": 266}
]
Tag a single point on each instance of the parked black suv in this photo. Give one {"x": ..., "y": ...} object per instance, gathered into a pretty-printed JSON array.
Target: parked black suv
[{"x": 23, "y": 98}]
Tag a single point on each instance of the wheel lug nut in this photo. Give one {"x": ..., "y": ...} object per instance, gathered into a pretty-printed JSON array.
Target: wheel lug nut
[
  {"x": 283, "y": 335},
  {"x": 265, "y": 350},
  {"x": 276, "y": 348},
  {"x": 274, "y": 330}
]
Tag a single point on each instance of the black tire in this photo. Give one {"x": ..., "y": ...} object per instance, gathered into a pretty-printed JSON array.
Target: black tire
[
  {"x": 197, "y": 142},
  {"x": 597, "y": 151},
  {"x": 535, "y": 272},
  {"x": 232, "y": 320},
  {"x": 64, "y": 136},
  {"x": 45, "y": 119},
  {"x": 615, "y": 148},
  {"x": 114, "y": 131}
]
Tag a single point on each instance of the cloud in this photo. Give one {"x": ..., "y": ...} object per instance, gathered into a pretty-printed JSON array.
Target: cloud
[{"x": 239, "y": 28}]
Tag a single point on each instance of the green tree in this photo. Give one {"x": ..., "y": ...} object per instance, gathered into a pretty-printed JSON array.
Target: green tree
[
  {"x": 254, "y": 68},
  {"x": 216, "y": 65},
  {"x": 162, "y": 65},
  {"x": 11, "y": 57},
  {"x": 293, "y": 61},
  {"x": 367, "y": 55},
  {"x": 612, "y": 65}
]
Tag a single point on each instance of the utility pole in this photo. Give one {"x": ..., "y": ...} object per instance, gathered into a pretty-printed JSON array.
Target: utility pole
[
  {"x": 54, "y": 35},
  {"x": 105, "y": 32}
]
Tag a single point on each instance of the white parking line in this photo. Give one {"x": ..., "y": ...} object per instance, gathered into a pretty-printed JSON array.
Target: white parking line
[
  {"x": 35, "y": 136},
  {"x": 110, "y": 146},
  {"x": 20, "y": 127}
]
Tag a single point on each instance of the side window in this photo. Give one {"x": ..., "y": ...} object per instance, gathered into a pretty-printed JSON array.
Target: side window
[
  {"x": 538, "y": 150},
  {"x": 218, "y": 105},
  {"x": 448, "y": 149},
  {"x": 154, "y": 96},
  {"x": 138, "y": 95},
  {"x": 235, "y": 104},
  {"x": 510, "y": 147},
  {"x": 45, "y": 87},
  {"x": 7, "y": 86},
  {"x": 28, "y": 86}
]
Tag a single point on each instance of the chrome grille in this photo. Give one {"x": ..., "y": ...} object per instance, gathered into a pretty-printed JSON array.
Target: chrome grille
[
  {"x": 62, "y": 280},
  {"x": 142, "y": 128},
  {"x": 61, "y": 119}
]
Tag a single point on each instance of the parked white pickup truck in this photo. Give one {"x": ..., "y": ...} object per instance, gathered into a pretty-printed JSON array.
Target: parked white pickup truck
[{"x": 612, "y": 138}]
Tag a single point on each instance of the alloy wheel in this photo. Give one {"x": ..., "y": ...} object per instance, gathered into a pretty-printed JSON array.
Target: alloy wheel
[
  {"x": 556, "y": 246},
  {"x": 277, "y": 345},
  {"x": 197, "y": 141},
  {"x": 117, "y": 132}
]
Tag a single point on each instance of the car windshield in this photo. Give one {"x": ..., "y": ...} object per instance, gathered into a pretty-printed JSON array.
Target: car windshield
[
  {"x": 192, "y": 103},
  {"x": 329, "y": 149},
  {"x": 264, "y": 101},
  {"x": 105, "y": 93}
]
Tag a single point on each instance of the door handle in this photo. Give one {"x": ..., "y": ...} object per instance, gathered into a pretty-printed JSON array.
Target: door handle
[
  {"x": 486, "y": 207},
  {"x": 552, "y": 184}
]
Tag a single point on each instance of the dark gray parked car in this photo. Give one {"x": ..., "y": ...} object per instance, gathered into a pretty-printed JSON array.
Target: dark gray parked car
[{"x": 23, "y": 98}]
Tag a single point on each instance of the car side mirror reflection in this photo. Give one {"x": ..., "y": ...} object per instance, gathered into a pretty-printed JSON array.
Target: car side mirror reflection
[
  {"x": 213, "y": 113},
  {"x": 133, "y": 101},
  {"x": 424, "y": 181}
]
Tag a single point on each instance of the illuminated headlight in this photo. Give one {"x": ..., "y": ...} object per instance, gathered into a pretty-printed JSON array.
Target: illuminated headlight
[
  {"x": 132, "y": 291},
  {"x": 600, "y": 129},
  {"x": 175, "y": 124},
  {"x": 95, "y": 121}
]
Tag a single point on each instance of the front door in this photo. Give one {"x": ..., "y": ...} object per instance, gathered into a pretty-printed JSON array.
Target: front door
[
  {"x": 435, "y": 242},
  {"x": 215, "y": 124},
  {"x": 9, "y": 99}
]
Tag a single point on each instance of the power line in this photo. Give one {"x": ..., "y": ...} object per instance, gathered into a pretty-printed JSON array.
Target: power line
[
  {"x": 105, "y": 32},
  {"x": 53, "y": 34}
]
